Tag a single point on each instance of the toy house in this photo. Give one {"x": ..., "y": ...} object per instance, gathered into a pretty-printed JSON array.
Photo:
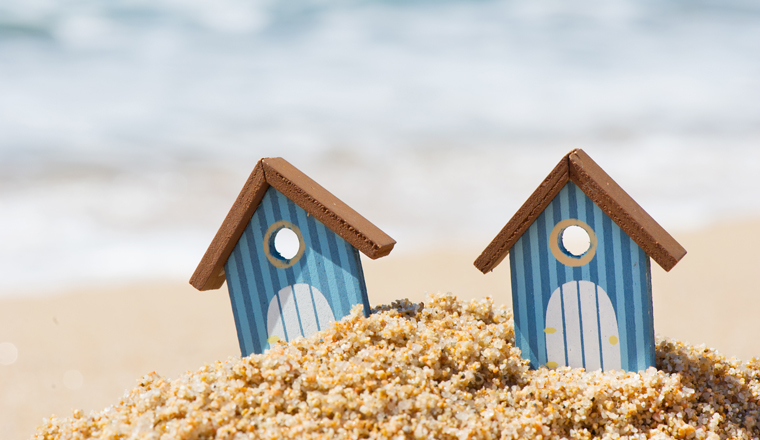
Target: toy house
[
  {"x": 591, "y": 306},
  {"x": 280, "y": 292}
]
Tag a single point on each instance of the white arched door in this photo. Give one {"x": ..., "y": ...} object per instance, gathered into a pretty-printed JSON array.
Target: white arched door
[
  {"x": 581, "y": 328},
  {"x": 293, "y": 302}
]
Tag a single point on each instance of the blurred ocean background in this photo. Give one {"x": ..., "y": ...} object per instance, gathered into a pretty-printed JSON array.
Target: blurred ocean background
[{"x": 128, "y": 127}]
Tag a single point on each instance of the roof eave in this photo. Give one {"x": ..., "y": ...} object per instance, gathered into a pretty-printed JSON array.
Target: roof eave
[
  {"x": 209, "y": 274},
  {"x": 624, "y": 211},
  {"x": 327, "y": 208},
  {"x": 499, "y": 247}
]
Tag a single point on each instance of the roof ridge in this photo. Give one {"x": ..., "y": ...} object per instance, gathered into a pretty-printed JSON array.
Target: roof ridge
[{"x": 304, "y": 192}]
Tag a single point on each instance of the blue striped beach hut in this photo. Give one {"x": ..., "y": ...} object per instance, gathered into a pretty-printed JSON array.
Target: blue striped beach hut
[
  {"x": 289, "y": 251},
  {"x": 582, "y": 303}
]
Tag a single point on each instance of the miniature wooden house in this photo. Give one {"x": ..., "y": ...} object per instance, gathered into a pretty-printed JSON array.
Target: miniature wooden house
[
  {"x": 590, "y": 308},
  {"x": 279, "y": 296}
]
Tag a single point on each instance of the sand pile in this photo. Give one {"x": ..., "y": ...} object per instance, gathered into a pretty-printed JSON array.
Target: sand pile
[{"x": 445, "y": 370}]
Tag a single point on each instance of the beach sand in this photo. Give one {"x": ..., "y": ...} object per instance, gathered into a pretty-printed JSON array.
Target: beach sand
[{"x": 84, "y": 349}]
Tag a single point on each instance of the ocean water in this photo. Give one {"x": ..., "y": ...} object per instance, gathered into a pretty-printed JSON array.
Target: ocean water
[{"x": 128, "y": 127}]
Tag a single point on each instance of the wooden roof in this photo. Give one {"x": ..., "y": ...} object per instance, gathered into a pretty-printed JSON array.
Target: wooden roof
[
  {"x": 304, "y": 192},
  {"x": 580, "y": 169}
]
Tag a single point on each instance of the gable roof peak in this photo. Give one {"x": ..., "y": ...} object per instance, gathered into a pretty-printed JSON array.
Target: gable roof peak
[
  {"x": 304, "y": 192},
  {"x": 579, "y": 168}
]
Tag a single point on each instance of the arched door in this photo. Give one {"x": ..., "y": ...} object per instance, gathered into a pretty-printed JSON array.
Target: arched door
[
  {"x": 297, "y": 310},
  {"x": 581, "y": 328}
]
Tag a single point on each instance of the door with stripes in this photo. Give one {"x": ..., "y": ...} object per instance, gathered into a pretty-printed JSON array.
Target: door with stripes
[
  {"x": 581, "y": 328},
  {"x": 296, "y": 311}
]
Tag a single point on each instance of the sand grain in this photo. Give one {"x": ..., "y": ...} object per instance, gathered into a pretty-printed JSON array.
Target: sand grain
[{"x": 448, "y": 370}]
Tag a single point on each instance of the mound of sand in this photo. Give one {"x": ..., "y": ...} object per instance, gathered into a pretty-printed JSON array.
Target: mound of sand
[{"x": 445, "y": 370}]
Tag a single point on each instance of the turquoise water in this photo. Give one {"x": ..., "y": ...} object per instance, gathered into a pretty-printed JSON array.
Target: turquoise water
[{"x": 127, "y": 127}]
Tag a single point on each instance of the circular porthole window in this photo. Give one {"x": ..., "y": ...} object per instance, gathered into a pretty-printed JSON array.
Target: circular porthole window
[
  {"x": 283, "y": 244},
  {"x": 573, "y": 242}
]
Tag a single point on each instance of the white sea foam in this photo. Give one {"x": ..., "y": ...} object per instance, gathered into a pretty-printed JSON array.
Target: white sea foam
[{"x": 127, "y": 128}]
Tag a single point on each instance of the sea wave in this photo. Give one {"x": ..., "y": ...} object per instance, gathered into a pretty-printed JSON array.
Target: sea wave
[{"x": 126, "y": 127}]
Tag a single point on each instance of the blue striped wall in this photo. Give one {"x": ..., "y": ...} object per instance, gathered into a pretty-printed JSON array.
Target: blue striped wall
[
  {"x": 329, "y": 263},
  {"x": 620, "y": 267}
]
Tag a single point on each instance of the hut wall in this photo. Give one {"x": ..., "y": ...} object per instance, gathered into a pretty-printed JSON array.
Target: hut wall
[
  {"x": 329, "y": 264},
  {"x": 620, "y": 267}
]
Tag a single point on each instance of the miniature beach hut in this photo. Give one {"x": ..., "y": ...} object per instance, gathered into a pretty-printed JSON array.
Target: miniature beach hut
[
  {"x": 281, "y": 292},
  {"x": 591, "y": 306}
]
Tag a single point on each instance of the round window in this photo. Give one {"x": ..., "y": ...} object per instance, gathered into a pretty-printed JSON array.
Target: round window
[
  {"x": 283, "y": 244},
  {"x": 286, "y": 243},
  {"x": 573, "y": 242}
]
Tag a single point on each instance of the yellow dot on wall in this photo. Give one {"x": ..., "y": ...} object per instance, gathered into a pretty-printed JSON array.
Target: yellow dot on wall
[
  {"x": 552, "y": 364},
  {"x": 613, "y": 340},
  {"x": 272, "y": 339},
  {"x": 550, "y": 330}
]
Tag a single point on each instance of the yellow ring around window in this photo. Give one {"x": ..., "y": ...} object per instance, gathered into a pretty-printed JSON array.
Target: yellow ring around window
[
  {"x": 562, "y": 255},
  {"x": 277, "y": 261}
]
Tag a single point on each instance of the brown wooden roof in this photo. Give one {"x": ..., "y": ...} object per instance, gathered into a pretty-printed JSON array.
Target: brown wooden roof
[
  {"x": 304, "y": 192},
  {"x": 578, "y": 168}
]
